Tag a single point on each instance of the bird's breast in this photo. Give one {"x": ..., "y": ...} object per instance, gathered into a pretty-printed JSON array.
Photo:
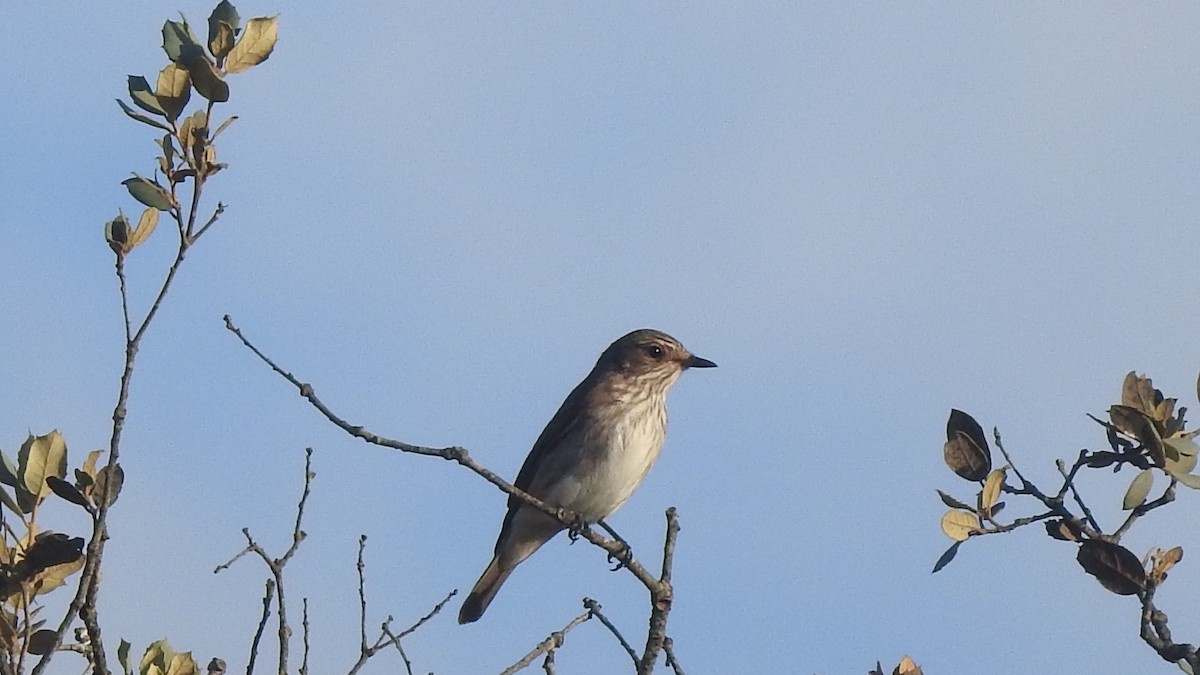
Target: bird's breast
[{"x": 616, "y": 461}]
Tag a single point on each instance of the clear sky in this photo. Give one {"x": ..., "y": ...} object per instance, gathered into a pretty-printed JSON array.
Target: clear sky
[{"x": 441, "y": 213}]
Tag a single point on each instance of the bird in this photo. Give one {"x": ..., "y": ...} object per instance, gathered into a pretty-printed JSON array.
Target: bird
[{"x": 594, "y": 452}]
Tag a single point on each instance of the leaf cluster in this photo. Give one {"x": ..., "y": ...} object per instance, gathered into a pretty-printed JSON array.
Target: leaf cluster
[
  {"x": 35, "y": 561},
  {"x": 1146, "y": 431},
  {"x": 187, "y": 146}
]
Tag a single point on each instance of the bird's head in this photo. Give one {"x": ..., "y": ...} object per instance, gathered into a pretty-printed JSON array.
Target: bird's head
[{"x": 647, "y": 351}]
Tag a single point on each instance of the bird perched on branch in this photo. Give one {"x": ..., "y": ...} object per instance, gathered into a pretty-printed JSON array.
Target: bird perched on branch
[{"x": 593, "y": 454}]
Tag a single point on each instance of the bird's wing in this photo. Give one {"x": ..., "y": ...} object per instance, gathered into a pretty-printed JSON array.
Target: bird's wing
[{"x": 560, "y": 426}]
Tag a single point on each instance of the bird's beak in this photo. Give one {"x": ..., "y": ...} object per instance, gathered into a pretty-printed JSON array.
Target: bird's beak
[{"x": 694, "y": 361}]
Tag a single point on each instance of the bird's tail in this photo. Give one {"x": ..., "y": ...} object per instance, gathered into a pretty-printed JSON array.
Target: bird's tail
[{"x": 485, "y": 589}]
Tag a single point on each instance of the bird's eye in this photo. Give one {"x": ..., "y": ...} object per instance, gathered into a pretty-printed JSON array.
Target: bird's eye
[{"x": 655, "y": 352}]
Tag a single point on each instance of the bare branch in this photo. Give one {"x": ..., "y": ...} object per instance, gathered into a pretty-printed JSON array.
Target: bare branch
[
  {"x": 594, "y": 607},
  {"x": 276, "y": 565},
  {"x": 661, "y": 597},
  {"x": 268, "y": 596},
  {"x": 459, "y": 455}
]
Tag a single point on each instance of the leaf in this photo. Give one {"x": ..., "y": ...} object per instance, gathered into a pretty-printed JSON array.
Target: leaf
[
  {"x": 946, "y": 557},
  {"x": 8, "y": 472},
  {"x": 194, "y": 127},
  {"x": 39, "y": 457},
  {"x": 42, "y": 642},
  {"x": 222, "y": 29},
  {"x": 180, "y": 45},
  {"x": 89, "y": 465},
  {"x": 1101, "y": 459},
  {"x": 952, "y": 502},
  {"x": 1113, "y": 565},
  {"x": 1063, "y": 530},
  {"x": 159, "y": 654},
  {"x": 110, "y": 474},
  {"x": 173, "y": 90},
  {"x": 1188, "y": 479},
  {"x": 991, "y": 489},
  {"x": 123, "y": 656},
  {"x": 50, "y": 549},
  {"x": 141, "y": 118},
  {"x": 966, "y": 450},
  {"x": 7, "y": 500},
  {"x": 958, "y": 525},
  {"x": 907, "y": 667},
  {"x": 223, "y": 126},
  {"x": 207, "y": 81},
  {"x": 143, "y": 96},
  {"x": 1180, "y": 455},
  {"x": 67, "y": 491},
  {"x": 1135, "y": 496},
  {"x": 1138, "y": 392},
  {"x": 1136, "y": 424},
  {"x": 148, "y": 192},
  {"x": 145, "y": 228},
  {"x": 966, "y": 458},
  {"x": 116, "y": 233},
  {"x": 255, "y": 46},
  {"x": 182, "y": 664},
  {"x": 1162, "y": 561}
]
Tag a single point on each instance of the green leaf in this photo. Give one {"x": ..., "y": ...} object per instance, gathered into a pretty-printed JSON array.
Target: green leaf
[
  {"x": 116, "y": 233},
  {"x": 42, "y": 456},
  {"x": 207, "y": 81},
  {"x": 180, "y": 44},
  {"x": 946, "y": 557},
  {"x": 123, "y": 656},
  {"x": 173, "y": 90},
  {"x": 952, "y": 502},
  {"x": 148, "y": 192},
  {"x": 143, "y": 95},
  {"x": 42, "y": 641},
  {"x": 67, "y": 491},
  {"x": 8, "y": 472},
  {"x": 1135, "y": 496},
  {"x": 8, "y": 502},
  {"x": 255, "y": 46},
  {"x": 141, "y": 118}
]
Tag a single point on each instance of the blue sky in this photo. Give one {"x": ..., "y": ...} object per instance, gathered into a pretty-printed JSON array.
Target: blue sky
[{"x": 440, "y": 215}]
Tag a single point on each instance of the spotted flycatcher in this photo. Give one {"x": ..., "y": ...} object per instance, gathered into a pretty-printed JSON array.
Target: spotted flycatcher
[{"x": 593, "y": 454}]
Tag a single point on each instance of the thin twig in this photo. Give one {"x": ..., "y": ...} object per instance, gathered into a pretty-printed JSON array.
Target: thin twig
[
  {"x": 277, "y": 565},
  {"x": 594, "y": 607},
  {"x": 669, "y": 650},
  {"x": 1167, "y": 497},
  {"x": 554, "y": 641},
  {"x": 661, "y": 597},
  {"x": 304, "y": 625},
  {"x": 268, "y": 596},
  {"x": 1069, "y": 484}
]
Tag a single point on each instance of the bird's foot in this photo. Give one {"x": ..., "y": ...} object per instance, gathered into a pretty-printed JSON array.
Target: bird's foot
[
  {"x": 620, "y": 556},
  {"x": 575, "y": 524}
]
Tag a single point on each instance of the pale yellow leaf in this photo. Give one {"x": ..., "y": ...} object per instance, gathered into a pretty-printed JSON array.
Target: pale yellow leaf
[
  {"x": 255, "y": 45},
  {"x": 958, "y": 525}
]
